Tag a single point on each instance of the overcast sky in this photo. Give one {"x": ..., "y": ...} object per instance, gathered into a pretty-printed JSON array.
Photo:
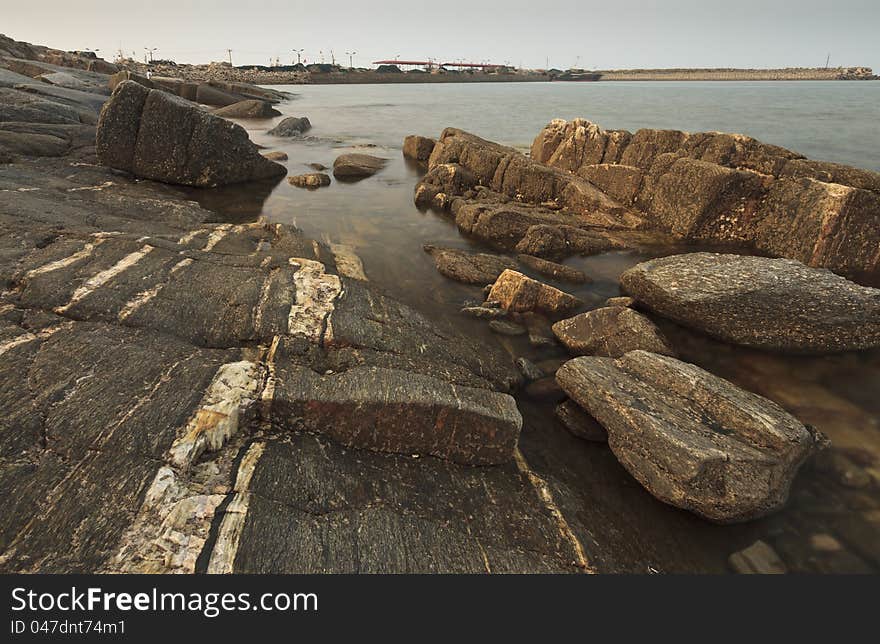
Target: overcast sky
[{"x": 594, "y": 34}]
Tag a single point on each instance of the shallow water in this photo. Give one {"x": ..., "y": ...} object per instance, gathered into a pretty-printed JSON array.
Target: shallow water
[{"x": 376, "y": 218}]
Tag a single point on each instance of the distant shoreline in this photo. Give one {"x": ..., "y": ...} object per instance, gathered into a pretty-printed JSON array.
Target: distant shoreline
[{"x": 267, "y": 77}]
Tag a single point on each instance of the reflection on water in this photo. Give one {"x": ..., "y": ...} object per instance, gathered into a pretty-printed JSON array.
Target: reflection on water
[{"x": 832, "y": 523}]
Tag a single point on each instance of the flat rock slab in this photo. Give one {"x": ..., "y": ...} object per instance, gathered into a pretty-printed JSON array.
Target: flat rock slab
[
  {"x": 357, "y": 166},
  {"x": 611, "y": 332},
  {"x": 317, "y": 507},
  {"x": 776, "y": 304},
  {"x": 389, "y": 410},
  {"x": 693, "y": 440},
  {"x": 518, "y": 293},
  {"x": 470, "y": 268}
]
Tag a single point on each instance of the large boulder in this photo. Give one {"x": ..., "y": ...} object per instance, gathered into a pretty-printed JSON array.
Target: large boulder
[
  {"x": 517, "y": 293},
  {"x": 693, "y": 440},
  {"x": 155, "y": 135},
  {"x": 292, "y": 126},
  {"x": 248, "y": 109},
  {"x": 357, "y": 165},
  {"x": 822, "y": 224},
  {"x": 610, "y": 331},
  {"x": 418, "y": 148},
  {"x": 470, "y": 268},
  {"x": 776, "y": 304}
]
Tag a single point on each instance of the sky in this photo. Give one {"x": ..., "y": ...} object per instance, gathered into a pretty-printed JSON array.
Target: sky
[{"x": 607, "y": 34}]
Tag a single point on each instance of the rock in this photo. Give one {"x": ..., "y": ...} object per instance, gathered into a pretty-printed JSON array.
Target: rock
[
  {"x": 125, "y": 75},
  {"x": 503, "y": 327},
  {"x": 418, "y": 148},
  {"x": 776, "y": 304},
  {"x": 470, "y": 268},
  {"x": 310, "y": 180},
  {"x": 824, "y": 542},
  {"x": 320, "y": 167},
  {"x": 611, "y": 331},
  {"x": 444, "y": 179},
  {"x": 155, "y": 135},
  {"x": 276, "y": 155},
  {"x": 539, "y": 328},
  {"x": 579, "y": 422},
  {"x": 843, "y": 469},
  {"x": 822, "y": 224},
  {"x": 758, "y": 559},
  {"x": 390, "y": 410},
  {"x": 622, "y": 182},
  {"x": 209, "y": 95},
  {"x": 621, "y": 300},
  {"x": 700, "y": 200},
  {"x": 509, "y": 172},
  {"x": 518, "y": 293},
  {"x": 291, "y": 126},
  {"x": 558, "y": 241},
  {"x": 545, "y": 389},
  {"x": 646, "y": 145},
  {"x": 554, "y": 270},
  {"x": 33, "y": 144},
  {"x": 693, "y": 440},
  {"x": 528, "y": 369},
  {"x": 357, "y": 166},
  {"x": 248, "y": 109},
  {"x": 484, "y": 312}
]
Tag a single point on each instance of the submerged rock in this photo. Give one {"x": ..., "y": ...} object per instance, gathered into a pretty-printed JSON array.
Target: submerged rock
[
  {"x": 758, "y": 559},
  {"x": 554, "y": 270},
  {"x": 518, "y": 293},
  {"x": 357, "y": 166},
  {"x": 248, "y": 109},
  {"x": 155, "y": 135},
  {"x": 276, "y": 155},
  {"x": 579, "y": 422},
  {"x": 776, "y": 304},
  {"x": 470, "y": 268},
  {"x": 503, "y": 327},
  {"x": 692, "y": 439},
  {"x": 291, "y": 126},
  {"x": 310, "y": 180},
  {"x": 611, "y": 331}
]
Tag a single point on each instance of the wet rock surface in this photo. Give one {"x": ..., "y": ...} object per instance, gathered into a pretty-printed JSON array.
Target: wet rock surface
[
  {"x": 291, "y": 126},
  {"x": 692, "y": 439},
  {"x": 356, "y": 165},
  {"x": 310, "y": 180},
  {"x": 470, "y": 268},
  {"x": 772, "y": 304},
  {"x": 248, "y": 109}
]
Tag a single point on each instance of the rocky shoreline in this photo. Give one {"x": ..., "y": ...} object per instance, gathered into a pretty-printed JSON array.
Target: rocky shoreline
[{"x": 182, "y": 395}]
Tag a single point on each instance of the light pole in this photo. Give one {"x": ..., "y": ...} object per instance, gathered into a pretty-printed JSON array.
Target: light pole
[
  {"x": 149, "y": 51},
  {"x": 350, "y": 54},
  {"x": 298, "y": 52}
]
